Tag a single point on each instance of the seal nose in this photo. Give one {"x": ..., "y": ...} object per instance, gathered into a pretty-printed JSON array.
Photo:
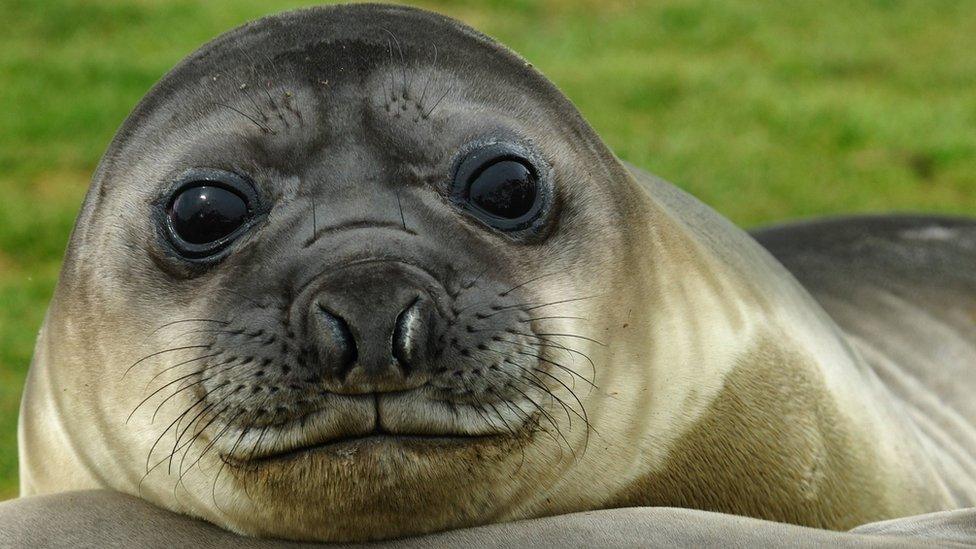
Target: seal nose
[
  {"x": 372, "y": 330},
  {"x": 410, "y": 334},
  {"x": 336, "y": 341}
]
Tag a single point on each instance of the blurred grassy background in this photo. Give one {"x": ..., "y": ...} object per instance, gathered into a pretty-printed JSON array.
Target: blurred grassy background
[{"x": 765, "y": 110}]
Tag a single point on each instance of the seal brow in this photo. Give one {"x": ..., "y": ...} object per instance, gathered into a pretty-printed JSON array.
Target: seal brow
[
  {"x": 358, "y": 225},
  {"x": 264, "y": 128}
]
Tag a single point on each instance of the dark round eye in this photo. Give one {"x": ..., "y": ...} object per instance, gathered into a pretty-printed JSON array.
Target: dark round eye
[
  {"x": 506, "y": 189},
  {"x": 208, "y": 210},
  {"x": 500, "y": 186},
  {"x": 206, "y": 213}
]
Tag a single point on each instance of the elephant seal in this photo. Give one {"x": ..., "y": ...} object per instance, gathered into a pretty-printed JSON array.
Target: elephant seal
[{"x": 360, "y": 272}]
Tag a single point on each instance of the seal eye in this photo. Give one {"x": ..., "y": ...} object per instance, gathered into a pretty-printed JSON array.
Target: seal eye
[
  {"x": 505, "y": 189},
  {"x": 501, "y": 186},
  {"x": 208, "y": 211}
]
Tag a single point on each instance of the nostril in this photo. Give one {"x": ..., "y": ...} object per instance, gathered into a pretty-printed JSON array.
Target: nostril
[
  {"x": 339, "y": 344},
  {"x": 406, "y": 335}
]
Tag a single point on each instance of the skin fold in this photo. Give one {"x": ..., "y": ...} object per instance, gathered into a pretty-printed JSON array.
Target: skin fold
[{"x": 631, "y": 348}]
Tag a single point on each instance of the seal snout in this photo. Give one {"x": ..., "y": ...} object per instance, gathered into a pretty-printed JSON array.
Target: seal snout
[
  {"x": 337, "y": 343},
  {"x": 410, "y": 332},
  {"x": 371, "y": 327}
]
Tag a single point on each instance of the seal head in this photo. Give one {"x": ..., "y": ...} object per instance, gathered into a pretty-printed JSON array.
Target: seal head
[{"x": 317, "y": 281}]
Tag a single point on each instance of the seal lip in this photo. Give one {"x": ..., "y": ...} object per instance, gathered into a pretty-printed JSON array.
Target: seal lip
[
  {"x": 209, "y": 252},
  {"x": 433, "y": 442},
  {"x": 474, "y": 157}
]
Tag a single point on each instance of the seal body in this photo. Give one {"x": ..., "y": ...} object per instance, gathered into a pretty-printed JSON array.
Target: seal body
[
  {"x": 902, "y": 290},
  {"x": 359, "y": 272}
]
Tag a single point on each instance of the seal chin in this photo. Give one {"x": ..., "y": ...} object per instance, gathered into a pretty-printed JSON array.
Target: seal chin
[{"x": 374, "y": 422}]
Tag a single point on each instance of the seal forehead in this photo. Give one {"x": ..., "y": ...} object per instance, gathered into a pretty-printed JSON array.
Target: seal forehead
[{"x": 328, "y": 45}]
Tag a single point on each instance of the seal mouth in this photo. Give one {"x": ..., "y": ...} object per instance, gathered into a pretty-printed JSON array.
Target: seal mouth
[
  {"x": 353, "y": 444},
  {"x": 374, "y": 421}
]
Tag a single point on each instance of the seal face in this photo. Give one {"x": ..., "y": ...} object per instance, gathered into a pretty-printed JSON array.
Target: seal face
[{"x": 359, "y": 272}]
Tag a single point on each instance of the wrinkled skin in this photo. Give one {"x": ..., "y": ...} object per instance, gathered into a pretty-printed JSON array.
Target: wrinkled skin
[{"x": 559, "y": 368}]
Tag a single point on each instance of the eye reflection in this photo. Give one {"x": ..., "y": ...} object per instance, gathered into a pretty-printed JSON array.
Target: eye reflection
[
  {"x": 206, "y": 213},
  {"x": 506, "y": 189},
  {"x": 500, "y": 184}
]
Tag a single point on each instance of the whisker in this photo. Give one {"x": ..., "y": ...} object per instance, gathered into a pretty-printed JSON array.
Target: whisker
[
  {"x": 252, "y": 65},
  {"x": 477, "y": 278},
  {"x": 178, "y": 435},
  {"x": 189, "y": 447},
  {"x": 429, "y": 72},
  {"x": 226, "y": 366},
  {"x": 541, "y": 385},
  {"x": 168, "y": 456},
  {"x": 213, "y": 492},
  {"x": 209, "y": 331},
  {"x": 554, "y": 317},
  {"x": 528, "y": 398},
  {"x": 551, "y": 419},
  {"x": 184, "y": 363},
  {"x": 502, "y": 419},
  {"x": 147, "y": 357},
  {"x": 577, "y": 336},
  {"x": 168, "y": 427},
  {"x": 403, "y": 63},
  {"x": 263, "y": 127},
  {"x": 438, "y": 102},
  {"x": 400, "y": 206},
  {"x": 257, "y": 443},
  {"x": 243, "y": 87},
  {"x": 178, "y": 391},
  {"x": 389, "y": 47},
  {"x": 199, "y": 416},
  {"x": 481, "y": 412},
  {"x": 177, "y": 380},
  {"x": 213, "y": 441},
  {"x": 582, "y": 415},
  {"x": 547, "y": 344},
  {"x": 502, "y": 308},
  {"x": 315, "y": 229},
  {"x": 527, "y": 282},
  {"x": 560, "y": 366},
  {"x": 561, "y": 302},
  {"x": 527, "y": 420},
  {"x": 244, "y": 296},
  {"x": 188, "y": 320},
  {"x": 206, "y": 449}
]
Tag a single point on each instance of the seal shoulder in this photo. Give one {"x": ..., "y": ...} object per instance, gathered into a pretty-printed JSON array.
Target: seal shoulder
[
  {"x": 796, "y": 447},
  {"x": 903, "y": 289},
  {"x": 862, "y": 269}
]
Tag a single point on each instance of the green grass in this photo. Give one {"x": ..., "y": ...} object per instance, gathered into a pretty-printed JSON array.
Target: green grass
[{"x": 765, "y": 110}]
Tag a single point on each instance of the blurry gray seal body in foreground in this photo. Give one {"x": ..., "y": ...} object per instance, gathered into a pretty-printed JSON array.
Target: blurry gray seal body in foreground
[{"x": 360, "y": 272}]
